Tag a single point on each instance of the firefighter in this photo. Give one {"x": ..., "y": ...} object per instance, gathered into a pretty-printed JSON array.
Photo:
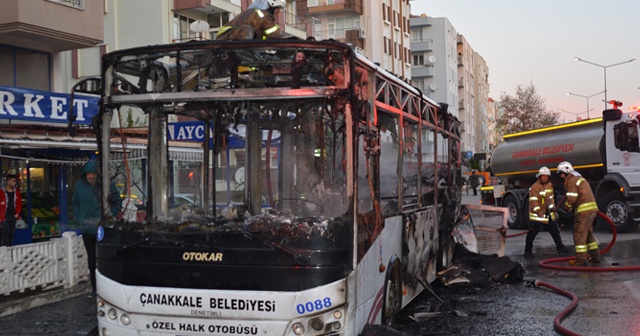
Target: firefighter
[
  {"x": 257, "y": 22},
  {"x": 580, "y": 199},
  {"x": 542, "y": 211}
]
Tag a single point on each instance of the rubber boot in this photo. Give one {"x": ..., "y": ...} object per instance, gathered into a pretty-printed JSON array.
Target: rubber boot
[
  {"x": 563, "y": 250},
  {"x": 581, "y": 259},
  {"x": 594, "y": 256}
]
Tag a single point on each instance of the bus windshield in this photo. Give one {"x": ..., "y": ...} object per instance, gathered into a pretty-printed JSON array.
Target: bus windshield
[{"x": 278, "y": 151}]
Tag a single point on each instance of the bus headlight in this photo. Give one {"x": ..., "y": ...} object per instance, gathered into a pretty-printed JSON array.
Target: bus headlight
[
  {"x": 125, "y": 319},
  {"x": 317, "y": 324},
  {"x": 105, "y": 332},
  {"x": 298, "y": 328},
  {"x": 112, "y": 314}
]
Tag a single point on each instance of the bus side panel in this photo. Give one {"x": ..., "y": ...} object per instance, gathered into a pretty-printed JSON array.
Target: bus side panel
[
  {"x": 421, "y": 235},
  {"x": 370, "y": 278}
]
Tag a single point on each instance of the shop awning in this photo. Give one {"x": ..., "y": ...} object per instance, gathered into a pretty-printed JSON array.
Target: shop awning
[{"x": 46, "y": 147}]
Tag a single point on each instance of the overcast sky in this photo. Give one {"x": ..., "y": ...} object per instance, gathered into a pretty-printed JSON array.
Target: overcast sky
[{"x": 536, "y": 42}]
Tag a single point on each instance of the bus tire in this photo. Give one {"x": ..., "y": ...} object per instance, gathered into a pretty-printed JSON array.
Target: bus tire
[
  {"x": 392, "y": 300},
  {"x": 613, "y": 205},
  {"x": 445, "y": 251},
  {"x": 514, "y": 214}
]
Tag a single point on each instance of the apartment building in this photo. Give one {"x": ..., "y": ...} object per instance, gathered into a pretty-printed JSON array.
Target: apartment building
[
  {"x": 378, "y": 29},
  {"x": 435, "y": 59},
  {"x": 480, "y": 103},
  {"x": 466, "y": 94},
  {"x": 447, "y": 69}
]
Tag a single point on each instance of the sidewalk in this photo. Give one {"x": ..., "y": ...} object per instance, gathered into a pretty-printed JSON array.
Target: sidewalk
[{"x": 58, "y": 312}]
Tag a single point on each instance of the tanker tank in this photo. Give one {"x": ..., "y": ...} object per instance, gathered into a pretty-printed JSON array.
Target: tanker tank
[{"x": 516, "y": 161}]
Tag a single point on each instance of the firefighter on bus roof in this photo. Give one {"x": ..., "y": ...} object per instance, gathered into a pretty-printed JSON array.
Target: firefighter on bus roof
[
  {"x": 580, "y": 198},
  {"x": 257, "y": 22}
]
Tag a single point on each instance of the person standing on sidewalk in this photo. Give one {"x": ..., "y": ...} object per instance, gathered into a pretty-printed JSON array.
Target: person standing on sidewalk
[
  {"x": 542, "y": 212},
  {"x": 475, "y": 182},
  {"x": 581, "y": 200},
  {"x": 12, "y": 207},
  {"x": 86, "y": 207}
]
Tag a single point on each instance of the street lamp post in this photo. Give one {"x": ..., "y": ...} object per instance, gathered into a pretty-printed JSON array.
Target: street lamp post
[
  {"x": 604, "y": 67},
  {"x": 587, "y": 97}
]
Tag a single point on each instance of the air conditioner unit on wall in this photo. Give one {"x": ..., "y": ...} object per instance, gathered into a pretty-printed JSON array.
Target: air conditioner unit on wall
[{"x": 362, "y": 34}]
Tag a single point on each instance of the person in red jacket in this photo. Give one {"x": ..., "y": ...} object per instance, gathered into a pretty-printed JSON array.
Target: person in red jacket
[{"x": 10, "y": 208}]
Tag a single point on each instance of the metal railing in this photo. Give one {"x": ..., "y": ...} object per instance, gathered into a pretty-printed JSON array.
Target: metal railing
[{"x": 60, "y": 262}]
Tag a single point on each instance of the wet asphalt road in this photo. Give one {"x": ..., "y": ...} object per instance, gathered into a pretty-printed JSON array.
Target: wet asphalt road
[{"x": 608, "y": 301}]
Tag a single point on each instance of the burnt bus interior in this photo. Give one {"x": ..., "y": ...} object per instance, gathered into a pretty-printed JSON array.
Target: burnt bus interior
[{"x": 298, "y": 120}]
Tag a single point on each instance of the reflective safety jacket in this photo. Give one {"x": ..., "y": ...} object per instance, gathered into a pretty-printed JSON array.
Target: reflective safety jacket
[
  {"x": 541, "y": 200},
  {"x": 262, "y": 23},
  {"x": 579, "y": 194}
]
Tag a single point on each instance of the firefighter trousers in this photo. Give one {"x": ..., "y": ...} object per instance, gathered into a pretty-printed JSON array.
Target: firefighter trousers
[
  {"x": 534, "y": 228},
  {"x": 583, "y": 238}
]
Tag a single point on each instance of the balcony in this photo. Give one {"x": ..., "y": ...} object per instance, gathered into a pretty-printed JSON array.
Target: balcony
[
  {"x": 332, "y": 7},
  {"x": 52, "y": 26},
  {"x": 421, "y": 71},
  {"x": 206, "y": 6},
  {"x": 421, "y": 46},
  {"x": 420, "y": 21},
  {"x": 352, "y": 36},
  {"x": 293, "y": 25}
]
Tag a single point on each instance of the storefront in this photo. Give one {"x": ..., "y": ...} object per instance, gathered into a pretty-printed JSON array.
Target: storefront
[{"x": 35, "y": 145}]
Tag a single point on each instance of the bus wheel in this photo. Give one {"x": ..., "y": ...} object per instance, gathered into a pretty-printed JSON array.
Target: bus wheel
[
  {"x": 445, "y": 251},
  {"x": 392, "y": 301},
  {"x": 514, "y": 215},
  {"x": 613, "y": 205}
]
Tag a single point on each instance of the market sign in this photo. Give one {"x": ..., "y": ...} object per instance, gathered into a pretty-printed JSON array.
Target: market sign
[
  {"x": 194, "y": 131},
  {"x": 187, "y": 131},
  {"x": 34, "y": 105}
]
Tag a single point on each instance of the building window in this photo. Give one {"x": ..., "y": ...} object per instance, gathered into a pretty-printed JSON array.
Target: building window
[
  {"x": 181, "y": 31},
  {"x": 25, "y": 68},
  {"x": 312, "y": 3},
  {"x": 338, "y": 26},
  {"x": 416, "y": 35},
  {"x": 331, "y": 27}
]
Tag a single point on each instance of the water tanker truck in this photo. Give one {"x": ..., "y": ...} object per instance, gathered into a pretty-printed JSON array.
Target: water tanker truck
[{"x": 604, "y": 150}]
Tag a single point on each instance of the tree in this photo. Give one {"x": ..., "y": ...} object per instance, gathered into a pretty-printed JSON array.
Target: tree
[{"x": 524, "y": 111}]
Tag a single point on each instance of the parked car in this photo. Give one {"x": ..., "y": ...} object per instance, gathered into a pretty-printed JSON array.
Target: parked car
[{"x": 187, "y": 200}]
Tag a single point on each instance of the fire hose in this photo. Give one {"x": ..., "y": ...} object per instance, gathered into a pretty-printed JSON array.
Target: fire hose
[{"x": 547, "y": 263}]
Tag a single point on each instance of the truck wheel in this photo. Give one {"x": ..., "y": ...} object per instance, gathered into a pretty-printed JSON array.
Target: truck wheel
[
  {"x": 514, "y": 215},
  {"x": 614, "y": 206}
]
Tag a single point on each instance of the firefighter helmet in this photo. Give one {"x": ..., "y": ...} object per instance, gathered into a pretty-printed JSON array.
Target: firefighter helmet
[
  {"x": 278, "y": 3},
  {"x": 543, "y": 171},
  {"x": 565, "y": 167},
  {"x": 266, "y": 4}
]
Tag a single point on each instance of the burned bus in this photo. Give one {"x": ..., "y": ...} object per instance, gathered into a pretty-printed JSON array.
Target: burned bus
[{"x": 345, "y": 179}]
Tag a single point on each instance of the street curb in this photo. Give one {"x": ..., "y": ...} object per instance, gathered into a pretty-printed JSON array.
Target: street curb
[{"x": 19, "y": 302}]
